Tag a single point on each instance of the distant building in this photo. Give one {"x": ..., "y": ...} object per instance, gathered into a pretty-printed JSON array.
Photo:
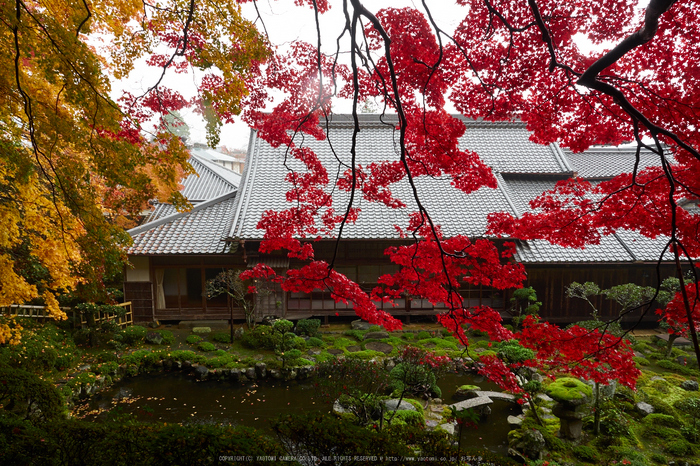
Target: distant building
[{"x": 234, "y": 161}]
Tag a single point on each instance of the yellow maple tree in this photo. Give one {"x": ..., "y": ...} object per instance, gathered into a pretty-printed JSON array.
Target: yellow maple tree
[{"x": 75, "y": 165}]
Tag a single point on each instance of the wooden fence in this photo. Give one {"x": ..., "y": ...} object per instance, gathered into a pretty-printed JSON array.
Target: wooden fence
[
  {"x": 121, "y": 320},
  {"x": 39, "y": 312}
]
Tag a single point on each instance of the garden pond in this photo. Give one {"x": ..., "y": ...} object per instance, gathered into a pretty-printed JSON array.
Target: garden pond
[{"x": 172, "y": 397}]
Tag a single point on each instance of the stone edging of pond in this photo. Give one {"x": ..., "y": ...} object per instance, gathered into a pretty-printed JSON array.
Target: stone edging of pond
[{"x": 96, "y": 383}]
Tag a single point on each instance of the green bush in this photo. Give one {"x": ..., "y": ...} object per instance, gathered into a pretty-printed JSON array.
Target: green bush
[
  {"x": 168, "y": 337},
  {"x": 221, "y": 337},
  {"x": 679, "y": 447},
  {"x": 358, "y": 335},
  {"x": 25, "y": 395},
  {"x": 408, "y": 336},
  {"x": 422, "y": 335},
  {"x": 73, "y": 442},
  {"x": 43, "y": 348},
  {"x": 308, "y": 327},
  {"x": 261, "y": 337},
  {"x": 315, "y": 342},
  {"x": 404, "y": 416},
  {"x": 133, "y": 335},
  {"x": 193, "y": 339},
  {"x": 660, "y": 420},
  {"x": 206, "y": 346},
  {"x": 658, "y": 458}
]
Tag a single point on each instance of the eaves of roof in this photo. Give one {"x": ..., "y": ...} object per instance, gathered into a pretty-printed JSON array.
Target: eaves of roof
[{"x": 170, "y": 218}]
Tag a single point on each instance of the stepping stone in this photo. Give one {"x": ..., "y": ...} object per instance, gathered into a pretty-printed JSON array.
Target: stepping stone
[
  {"x": 496, "y": 395},
  {"x": 515, "y": 420},
  {"x": 353, "y": 348},
  {"x": 472, "y": 403},
  {"x": 385, "y": 348},
  {"x": 335, "y": 351}
]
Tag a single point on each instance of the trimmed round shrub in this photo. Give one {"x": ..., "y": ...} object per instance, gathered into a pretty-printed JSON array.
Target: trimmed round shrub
[
  {"x": 422, "y": 335},
  {"x": 193, "y": 339},
  {"x": 315, "y": 342},
  {"x": 206, "y": 346},
  {"x": 221, "y": 337},
  {"x": 308, "y": 327}
]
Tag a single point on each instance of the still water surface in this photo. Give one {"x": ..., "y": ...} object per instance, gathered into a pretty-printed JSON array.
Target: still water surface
[{"x": 172, "y": 397}]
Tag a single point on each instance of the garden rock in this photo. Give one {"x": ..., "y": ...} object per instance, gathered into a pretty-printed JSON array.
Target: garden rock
[
  {"x": 275, "y": 374},
  {"x": 515, "y": 420},
  {"x": 360, "y": 325},
  {"x": 305, "y": 372},
  {"x": 385, "y": 348},
  {"x": 449, "y": 427},
  {"x": 644, "y": 408},
  {"x": 250, "y": 373},
  {"x": 235, "y": 375},
  {"x": 154, "y": 324},
  {"x": 335, "y": 351},
  {"x": 201, "y": 330},
  {"x": 154, "y": 338},
  {"x": 123, "y": 393},
  {"x": 393, "y": 405},
  {"x": 531, "y": 444},
  {"x": 201, "y": 372},
  {"x": 238, "y": 334},
  {"x": 376, "y": 335},
  {"x": 353, "y": 348},
  {"x": 261, "y": 370},
  {"x": 466, "y": 392},
  {"x": 689, "y": 385},
  {"x": 186, "y": 365}
]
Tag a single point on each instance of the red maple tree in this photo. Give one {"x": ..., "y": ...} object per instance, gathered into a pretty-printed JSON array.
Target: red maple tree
[{"x": 505, "y": 60}]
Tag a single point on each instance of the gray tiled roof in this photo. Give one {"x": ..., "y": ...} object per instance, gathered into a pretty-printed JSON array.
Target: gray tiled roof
[
  {"x": 263, "y": 187},
  {"x": 211, "y": 180},
  {"x": 506, "y": 148},
  {"x": 199, "y": 231},
  {"x": 607, "y": 162},
  {"x": 539, "y": 251}
]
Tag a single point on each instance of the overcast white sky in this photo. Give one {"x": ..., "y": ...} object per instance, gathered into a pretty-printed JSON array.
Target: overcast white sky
[{"x": 285, "y": 23}]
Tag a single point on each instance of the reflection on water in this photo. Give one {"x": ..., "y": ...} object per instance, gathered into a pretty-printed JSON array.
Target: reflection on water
[{"x": 172, "y": 397}]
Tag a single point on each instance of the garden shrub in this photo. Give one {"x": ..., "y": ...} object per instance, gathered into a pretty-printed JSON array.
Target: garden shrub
[
  {"x": 407, "y": 417},
  {"x": 43, "y": 348},
  {"x": 308, "y": 327},
  {"x": 674, "y": 366},
  {"x": 168, "y": 337},
  {"x": 660, "y": 420},
  {"x": 679, "y": 447},
  {"x": 133, "y": 335},
  {"x": 422, "y": 335},
  {"x": 661, "y": 432},
  {"x": 206, "y": 346},
  {"x": 315, "y": 342},
  {"x": 365, "y": 354},
  {"x": 220, "y": 352},
  {"x": 641, "y": 360},
  {"x": 261, "y": 337},
  {"x": 221, "y": 337},
  {"x": 358, "y": 335},
  {"x": 193, "y": 339},
  {"x": 408, "y": 336},
  {"x": 109, "y": 367},
  {"x": 26, "y": 395},
  {"x": 658, "y": 458}
]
